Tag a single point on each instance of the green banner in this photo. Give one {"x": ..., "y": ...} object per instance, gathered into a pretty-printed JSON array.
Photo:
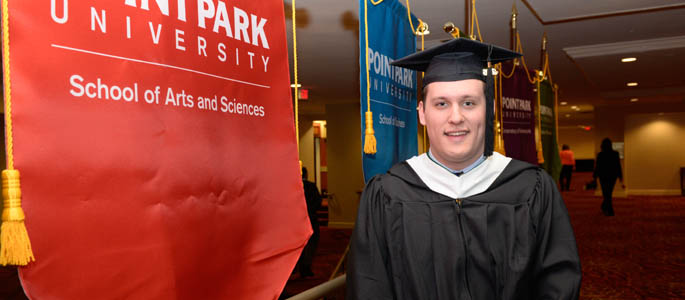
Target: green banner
[{"x": 550, "y": 149}]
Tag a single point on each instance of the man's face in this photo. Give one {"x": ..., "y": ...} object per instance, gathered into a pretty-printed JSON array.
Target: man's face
[{"x": 454, "y": 116}]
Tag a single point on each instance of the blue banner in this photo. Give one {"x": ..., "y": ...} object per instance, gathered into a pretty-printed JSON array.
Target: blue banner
[{"x": 392, "y": 89}]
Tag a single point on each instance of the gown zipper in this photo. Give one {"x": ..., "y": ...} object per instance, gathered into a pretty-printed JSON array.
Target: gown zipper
[{"x": 466, "y": 251}]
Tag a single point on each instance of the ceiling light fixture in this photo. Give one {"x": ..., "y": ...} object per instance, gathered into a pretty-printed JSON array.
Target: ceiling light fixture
[
  {"x": 628, "y": 59},
  {"x": 631, "y": 84},
  {"x": 634, "y": 99},
  {"x": 563, "y": 103}
]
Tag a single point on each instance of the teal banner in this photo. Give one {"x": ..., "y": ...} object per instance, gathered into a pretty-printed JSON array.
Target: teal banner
[{"x": 392, "y": 89}]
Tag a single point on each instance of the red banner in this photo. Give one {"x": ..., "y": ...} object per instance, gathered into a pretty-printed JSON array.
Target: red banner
[{"x": 156, "y": 144}]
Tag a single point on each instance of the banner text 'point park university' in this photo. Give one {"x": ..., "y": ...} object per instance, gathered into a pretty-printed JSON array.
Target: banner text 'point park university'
[{"x": 134, "y": 129}]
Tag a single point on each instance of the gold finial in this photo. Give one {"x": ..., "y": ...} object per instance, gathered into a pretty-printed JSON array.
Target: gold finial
[
  {"x": 423, "y": 29},
  {"x": 451, "y": 29},
  {"x": 514, "y": 15}
]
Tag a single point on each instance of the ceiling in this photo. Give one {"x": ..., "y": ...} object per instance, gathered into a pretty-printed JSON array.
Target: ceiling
[{"x": 586, "y": 41}]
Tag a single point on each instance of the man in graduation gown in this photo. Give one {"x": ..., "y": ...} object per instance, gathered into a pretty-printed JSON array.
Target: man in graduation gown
[{"x": 462, "y": 221}]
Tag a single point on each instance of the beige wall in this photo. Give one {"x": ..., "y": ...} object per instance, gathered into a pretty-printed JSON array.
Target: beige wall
[
  {"x": 345, "y": 177},
  {"x": 654, "y": 153},
  {"x": 582, "y": 142},
  {"x": 609, "y": 122},
  {"x": 652, "y": 167},
  {"x": 345, "y": 174},
  {"x": 307, "y": 145}
]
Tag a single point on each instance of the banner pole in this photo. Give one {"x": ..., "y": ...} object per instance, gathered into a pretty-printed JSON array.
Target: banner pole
[{"x": 297, "y": 94}]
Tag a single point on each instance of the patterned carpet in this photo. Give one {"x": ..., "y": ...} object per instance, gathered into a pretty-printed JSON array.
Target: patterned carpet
[
  {"x": 331, "y": 247},
  {"x": 637, "y": 254}
]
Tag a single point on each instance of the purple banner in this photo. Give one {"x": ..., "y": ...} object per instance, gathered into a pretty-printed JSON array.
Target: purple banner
[{"x": 518, "y": 115}]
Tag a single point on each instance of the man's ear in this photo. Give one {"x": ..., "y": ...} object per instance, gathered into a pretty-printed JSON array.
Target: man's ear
[{"x": 422, "y": 113}]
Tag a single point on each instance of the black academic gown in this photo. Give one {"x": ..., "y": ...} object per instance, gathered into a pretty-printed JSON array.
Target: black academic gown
[{"x": 512, "y": 241}]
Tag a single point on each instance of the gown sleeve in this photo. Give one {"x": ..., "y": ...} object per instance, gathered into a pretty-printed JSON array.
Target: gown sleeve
[
  {"x": 557, "y": 271},
  {"x": 369, "y": 274}
]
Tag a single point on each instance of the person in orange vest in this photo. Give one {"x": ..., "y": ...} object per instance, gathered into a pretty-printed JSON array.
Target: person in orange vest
[{"x": 568, "y": 163}]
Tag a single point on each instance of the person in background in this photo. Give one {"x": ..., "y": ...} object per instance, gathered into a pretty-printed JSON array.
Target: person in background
[
  {"x": 568, "y": 164},
  {"x": 608, "y": 169},
  {"x": 313, "y": 198}
]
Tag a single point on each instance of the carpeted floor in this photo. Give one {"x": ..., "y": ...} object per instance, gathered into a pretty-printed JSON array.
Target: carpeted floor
[
  {"x": 331, "y": 248},
  {"x": 637, "y": 254}
]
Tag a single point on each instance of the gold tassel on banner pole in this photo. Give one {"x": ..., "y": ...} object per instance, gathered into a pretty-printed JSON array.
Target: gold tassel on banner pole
[
  {"x": 369, "y": 137},
  {"x": 538, "y": 124},
  {"x": 540, "y": 77},
  {"x": 556, "y": 113},
  {"x": 14, "y": 239}
]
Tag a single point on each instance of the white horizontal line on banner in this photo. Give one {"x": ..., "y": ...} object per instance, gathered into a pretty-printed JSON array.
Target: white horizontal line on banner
[
  {"x": 159, "y": 64},
  {"x": 514, "y": 122},
  {"x": 395, "y": 106}
]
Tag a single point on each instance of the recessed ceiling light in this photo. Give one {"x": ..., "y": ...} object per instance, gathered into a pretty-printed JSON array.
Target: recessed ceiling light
[
  {"x": 634, "y": 99},
  {"x": 563, "y": 103},
  {"x": 631, "y": 84},
  {"x": 568, "y": 115},
  {"x": 574, "y": 107},
  {"x": 628, "y": 59}
]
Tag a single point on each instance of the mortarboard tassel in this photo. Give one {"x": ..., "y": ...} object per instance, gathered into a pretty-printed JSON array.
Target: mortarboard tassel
[
  {"x": 499, "y": 138},
  {"x": 15, "y": 246}
]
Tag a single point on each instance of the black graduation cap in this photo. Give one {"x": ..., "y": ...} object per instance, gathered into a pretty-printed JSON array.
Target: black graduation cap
[
  {"x": 461, "y": 59},
  {"x": 458, "y": 59}
]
